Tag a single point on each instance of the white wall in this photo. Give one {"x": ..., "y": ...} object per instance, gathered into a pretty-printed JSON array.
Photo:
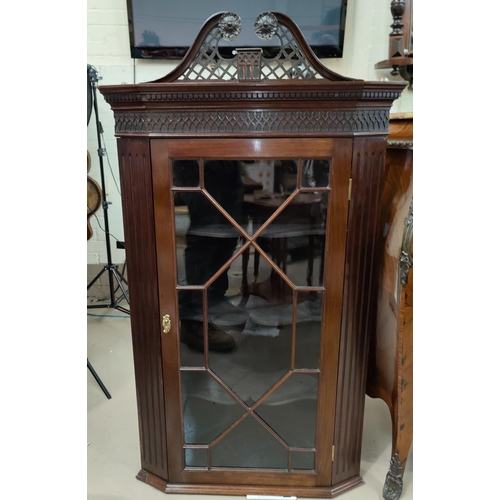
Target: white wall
[{"x": 366, "y": 43}]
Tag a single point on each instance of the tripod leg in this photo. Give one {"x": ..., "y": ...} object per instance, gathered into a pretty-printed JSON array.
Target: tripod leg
[
  {"x": 121, "y": 276},
  {"x": 98, "y": 380},
  {"x": 113, "y": 273},
  {"x": 117, "y": 275},
  {"x": 123, "y": 280},
  {"x": 122, "y": 272},
  {"x": 101, "y": 272},
  {"x": 118, "y": 280}
]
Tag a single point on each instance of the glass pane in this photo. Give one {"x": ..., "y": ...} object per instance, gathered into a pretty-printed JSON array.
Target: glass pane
[
  {"x": 186, "y": 173},
  {"x": 248, "y": 289},
  {"x": 262, "y": 358},
  {"x": 308, "y": 331},
  {"x": 195, "y": 457},
  {"x": 191, "y": 344},
  {"x": 205, "y": 239},
  {"x": 295, "y": 240},
  {"x": 267, "y": 186},
  {"x": 208, "y": 408},
  {"x": 191, "y": 327},
  {"x": 223, "y": 179},
  {"x": 302, "y": 460},
  {"x": 291, "y": 410},
  {"x": 286, "y": 176},
  {"x": 249, "y": 445},
  {"x": 315, "y": 173},
  {"x": 259, "y": 174}
]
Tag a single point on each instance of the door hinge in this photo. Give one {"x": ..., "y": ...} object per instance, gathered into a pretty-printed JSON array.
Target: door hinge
[
  {"x": 333, "y": 453},
  {"x": 349, "y": 191}
]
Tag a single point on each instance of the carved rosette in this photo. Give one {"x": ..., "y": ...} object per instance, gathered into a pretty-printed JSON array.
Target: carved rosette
[
  {"x": 230, "y": 26},
  {"x": 266, "y": 26},
  {"x": 393, "y": 486}
]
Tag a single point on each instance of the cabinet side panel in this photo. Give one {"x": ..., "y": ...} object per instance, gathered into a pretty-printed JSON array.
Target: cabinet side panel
[
  {"x": 382, "y": 379},
  {"x": 359, "y": 302},
  {"x": 138, "y": 215}
]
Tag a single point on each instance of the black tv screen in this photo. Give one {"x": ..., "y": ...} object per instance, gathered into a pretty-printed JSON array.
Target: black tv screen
[{"x": 165, "y": 29}]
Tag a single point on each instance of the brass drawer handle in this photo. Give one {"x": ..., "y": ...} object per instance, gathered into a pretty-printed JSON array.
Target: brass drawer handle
[{"x": 167, "y": 324}]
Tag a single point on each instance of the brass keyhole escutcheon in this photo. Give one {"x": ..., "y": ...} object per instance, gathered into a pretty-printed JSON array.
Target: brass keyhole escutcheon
[{"x": 167, "y": 324}]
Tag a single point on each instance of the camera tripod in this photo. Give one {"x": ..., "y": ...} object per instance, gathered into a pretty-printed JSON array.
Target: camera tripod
[
  {"x": 111, "y": 269},
  {"x": 98, "y": 380}
]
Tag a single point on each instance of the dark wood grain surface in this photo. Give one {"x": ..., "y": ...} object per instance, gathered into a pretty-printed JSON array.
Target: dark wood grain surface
[
  {"x": 359, "y": 301},
  {"x": 390, "y": 366},
  {"x": 333, "y": 118},
  {"x": 139, "y": 231}
]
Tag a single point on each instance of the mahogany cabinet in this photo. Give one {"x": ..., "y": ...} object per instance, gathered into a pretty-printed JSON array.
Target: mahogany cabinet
[
  {"x": 390, "y": 359},
  {"x": 251, "y": 196}
]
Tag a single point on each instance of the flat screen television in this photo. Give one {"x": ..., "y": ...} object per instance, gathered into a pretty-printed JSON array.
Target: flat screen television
[{"x": 165, "y": 29}]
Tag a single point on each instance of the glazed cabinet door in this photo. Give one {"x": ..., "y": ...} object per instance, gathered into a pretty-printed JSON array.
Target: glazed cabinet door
[{"x": 250, "y": 237}]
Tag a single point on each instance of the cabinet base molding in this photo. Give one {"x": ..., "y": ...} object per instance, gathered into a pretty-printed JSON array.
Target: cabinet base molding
[{"x": 213, "y": 489}]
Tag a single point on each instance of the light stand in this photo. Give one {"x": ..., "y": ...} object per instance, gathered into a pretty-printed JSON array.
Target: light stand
[
  {"x": 98, "y": 380},
  {"x": 112, "y": 269}
]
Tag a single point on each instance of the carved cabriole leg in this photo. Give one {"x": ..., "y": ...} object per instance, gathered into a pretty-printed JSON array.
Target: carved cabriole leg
[
  {"x": 402, "y": 408},
  {"x": 394, "y": 480}
]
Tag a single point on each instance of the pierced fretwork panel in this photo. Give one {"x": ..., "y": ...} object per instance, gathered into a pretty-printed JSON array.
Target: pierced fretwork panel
[
  {"x": 208, "y": 63},
  {"x": 290, "y": 61}
]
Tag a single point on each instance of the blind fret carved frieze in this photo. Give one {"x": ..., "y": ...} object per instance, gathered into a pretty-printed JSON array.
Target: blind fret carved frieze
[{"x": 211, "y": 122}]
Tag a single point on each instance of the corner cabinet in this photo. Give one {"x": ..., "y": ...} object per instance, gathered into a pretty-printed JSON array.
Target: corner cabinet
[{"x": 251, "y": 195}]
